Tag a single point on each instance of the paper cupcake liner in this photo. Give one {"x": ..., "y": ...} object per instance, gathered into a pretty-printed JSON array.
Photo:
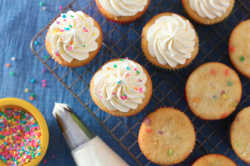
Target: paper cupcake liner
[
  {"x": 160, "y": 68},
  {"x": 192, "y": 20}
]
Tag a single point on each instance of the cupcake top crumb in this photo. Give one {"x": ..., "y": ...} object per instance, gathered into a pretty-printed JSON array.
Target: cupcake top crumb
[
  {"x": 213, "y": 91},
  {"x": 166, "y": 136},
  {"x": 214, "y": 160},
  {"x": 240, "y": 134}
]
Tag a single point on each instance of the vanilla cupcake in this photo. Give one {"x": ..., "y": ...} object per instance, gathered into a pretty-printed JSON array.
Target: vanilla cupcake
[
  {"x": 208, "y": 11},
  {"x": 122, "y": 11},
  {"x": 74, "y": 39},
  {"x": 121, "y": 87},
  {"x": 169, "y": 41}
]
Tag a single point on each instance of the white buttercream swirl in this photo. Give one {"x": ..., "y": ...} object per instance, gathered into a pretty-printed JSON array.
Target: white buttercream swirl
[
  {"x": 171, "y": 40},
  {"x": 120, "y": 85},
  {"x": 123, "y": 7},
  {"x": 73, "y": 36},
  {"x": 210, "y": 8}
]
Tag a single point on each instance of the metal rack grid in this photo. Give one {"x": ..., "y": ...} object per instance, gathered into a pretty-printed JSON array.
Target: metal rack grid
[{"x": 168, "y": 90}]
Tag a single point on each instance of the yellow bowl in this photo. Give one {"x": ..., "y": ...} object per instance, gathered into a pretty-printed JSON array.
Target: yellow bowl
[{"x": 27, "y": 107}]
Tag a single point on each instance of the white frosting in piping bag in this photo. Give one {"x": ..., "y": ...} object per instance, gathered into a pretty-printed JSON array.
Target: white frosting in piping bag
[
  {"x": 171, "y": 40},
  {"x": 120, "y": 85},
  {"x": 210, "y": 8},
  {"x": 123, "y": 7},
  {"x": 73, "y": 36}
]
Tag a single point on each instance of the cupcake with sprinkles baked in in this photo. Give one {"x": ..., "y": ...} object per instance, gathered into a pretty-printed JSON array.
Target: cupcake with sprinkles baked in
[
  {"x": 169, "y": 41},
  {"x": 240, "y": 135},
  {"x": 213, "y": 91},
  {"x": 121, "y": 11},
  {"x": 208, "y": 11},
  {"x": 214, "y": 160},
  {"x": 167, "y": 136},
  {"x": 74, "y": 39},
  {"x": 121, "y": 87}
]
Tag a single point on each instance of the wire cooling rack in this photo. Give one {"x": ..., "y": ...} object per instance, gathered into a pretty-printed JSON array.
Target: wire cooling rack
[{"x": 124, "y": 41}]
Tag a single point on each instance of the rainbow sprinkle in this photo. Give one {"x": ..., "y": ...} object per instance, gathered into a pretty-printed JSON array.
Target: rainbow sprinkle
[
  {"x": 170, "y": 152},
  {"x": 231, "y": 48},
  {"x": 242, "y": 58},
  {"x": 128, "y": 68},
  {"x": 115, "y": 66},
  {"x": 20, "y": 137},
  {"x": 229, "y": 83},
  {"x": 119, "y": 82}
]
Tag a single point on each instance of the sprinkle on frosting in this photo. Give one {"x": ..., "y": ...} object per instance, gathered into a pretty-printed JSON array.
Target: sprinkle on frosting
[
  {"x": 121, "y": 84},
  {"x": 148, "y": 130}
]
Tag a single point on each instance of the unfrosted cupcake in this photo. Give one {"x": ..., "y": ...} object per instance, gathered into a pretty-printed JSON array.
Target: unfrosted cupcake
[
  {"x": 74, "y": 39},
  {"x": 239, "y": 47},
  {"x": 169, "y": 41},
  {"x": 214, "y": 160},
  {"x": 122, "y": 11},
  {"x": 213, "y": 91},
  {"x": 121, "y": 87},
  {"x": 166, "y": 136},
  {"x": 240, "y": 135},
  {"x": 208, "y": 11}
]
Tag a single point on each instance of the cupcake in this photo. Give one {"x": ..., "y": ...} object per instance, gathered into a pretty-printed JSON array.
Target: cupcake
[
  {"x": 214, "y": 160},
  {"x": 166, "y": 136},
  {"x": 240, "y": 135},
  {"x": 208, "y": 12},
  {"x": 239, "y": 46},
  {"x": 121, "y": 87},
  {"x": 169, "y": 41},
  {"x": 122, "y": 11},
  {"x": 213, "y": 91},
  {"x": 74, "y": 39}
]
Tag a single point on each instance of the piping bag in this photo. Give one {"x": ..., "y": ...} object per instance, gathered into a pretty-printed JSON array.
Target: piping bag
[{"x": 86, "y": 148}]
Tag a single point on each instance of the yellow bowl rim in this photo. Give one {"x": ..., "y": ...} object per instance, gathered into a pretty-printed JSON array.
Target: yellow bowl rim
[{"x": 41, "y": 121}]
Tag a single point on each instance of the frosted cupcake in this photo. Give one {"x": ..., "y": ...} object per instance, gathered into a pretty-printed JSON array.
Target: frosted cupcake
[
  {"x": 121, "y": 87},
  {"x": 208, "y": 11},
  {"x": 122, "y": 11},
  {"x": 169, "y": 41},
  {"x": 74, "y": 39}
]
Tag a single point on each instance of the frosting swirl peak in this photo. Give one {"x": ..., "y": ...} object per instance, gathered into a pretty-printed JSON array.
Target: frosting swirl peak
[
  {"x": 171, "y": 40},
  {"x": 210, "y": 8},
  {"x": 123, "y": 7},
  {"x": 120, "y": 85},
  {"x": 73, "y": 36}
]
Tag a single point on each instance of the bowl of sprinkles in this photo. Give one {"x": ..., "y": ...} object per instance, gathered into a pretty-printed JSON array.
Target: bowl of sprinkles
[{"x": 24, "y": 135}]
